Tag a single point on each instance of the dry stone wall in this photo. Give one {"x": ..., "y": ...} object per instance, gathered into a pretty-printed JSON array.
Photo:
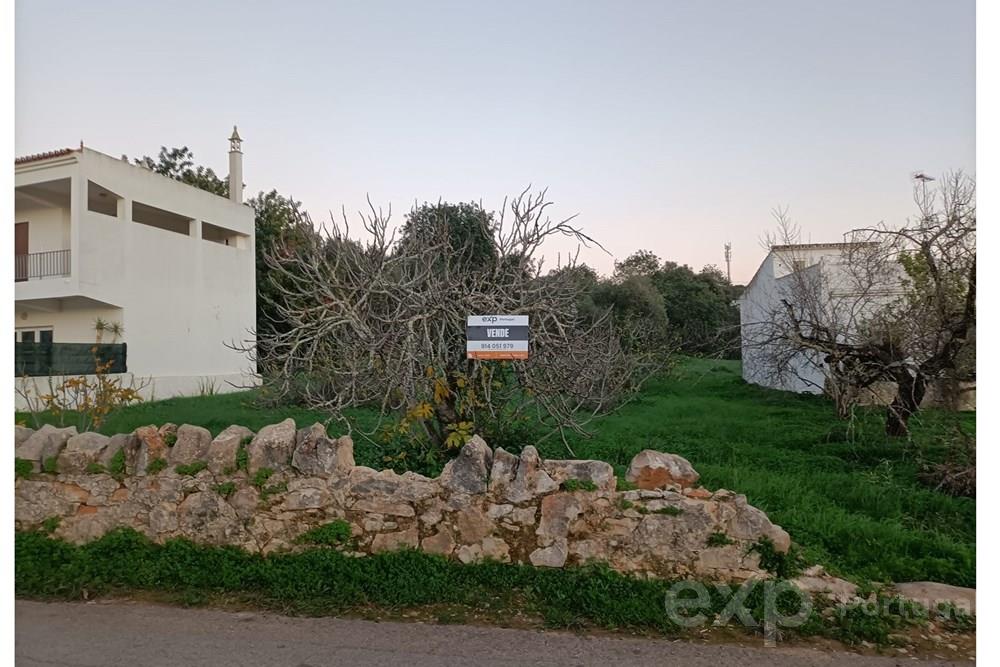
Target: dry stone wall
[{"x": 263, "y": 491}]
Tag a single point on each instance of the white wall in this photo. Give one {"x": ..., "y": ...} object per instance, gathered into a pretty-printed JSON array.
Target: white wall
[
  {"x": 48, "y": 227},
  {"x": 804, "y": 373}
]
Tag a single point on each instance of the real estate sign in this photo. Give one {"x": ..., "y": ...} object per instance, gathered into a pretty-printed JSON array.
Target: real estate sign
[{"x": 496, "y": 337}]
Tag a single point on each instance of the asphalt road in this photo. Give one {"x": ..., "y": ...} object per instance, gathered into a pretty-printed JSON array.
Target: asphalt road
[{"x": 124, "y": 633}]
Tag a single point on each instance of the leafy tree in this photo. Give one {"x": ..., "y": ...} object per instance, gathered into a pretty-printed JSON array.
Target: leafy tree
[
  {"x": 464, "y": 228},
  {"x": 178, "y": 164},
  {"x": 697, "y": 306}
]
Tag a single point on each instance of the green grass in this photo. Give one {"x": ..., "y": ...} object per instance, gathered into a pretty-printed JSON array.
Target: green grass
[
  {"x": 325, "y": 581},
  {"x": 329, "y": 534},
  {"x": 846, "y": 494},
  {"x": 191, "y": 469}
]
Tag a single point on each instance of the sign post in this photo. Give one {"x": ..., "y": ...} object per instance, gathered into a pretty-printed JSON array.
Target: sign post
[{"x": 496, "y": 337}]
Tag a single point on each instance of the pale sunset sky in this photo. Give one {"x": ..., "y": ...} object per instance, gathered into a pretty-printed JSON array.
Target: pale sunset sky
[{"x": 666, "y": 125}]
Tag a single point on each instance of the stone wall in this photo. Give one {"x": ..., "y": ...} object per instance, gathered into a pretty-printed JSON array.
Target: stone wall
[{"x": 485, "y": 504}]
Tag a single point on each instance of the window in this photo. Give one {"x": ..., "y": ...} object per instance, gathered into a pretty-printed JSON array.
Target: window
[{"x": 33, "y": 335}]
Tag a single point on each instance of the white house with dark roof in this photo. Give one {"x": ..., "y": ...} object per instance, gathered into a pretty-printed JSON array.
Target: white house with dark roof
[{"x": 101, "y": 240}]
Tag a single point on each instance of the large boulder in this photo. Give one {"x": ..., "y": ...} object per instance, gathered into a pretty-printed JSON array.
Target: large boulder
[
  {"x": 272, "y": 447},
  {"x": 317, "y": 454},
  {"x": 651, "y": 469},
  {"x": 82, "y": 450},
  {"x": 221, "y": 455},
  {"x": 44, "y": 444},
  {"x": 469, "y": 471},
  {"x": 191, "y": 445}
]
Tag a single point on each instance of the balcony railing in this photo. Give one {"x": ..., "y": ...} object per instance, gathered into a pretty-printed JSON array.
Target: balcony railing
[
  {"x": 37, "y": 359},
  {"x": 41, "y": 265}
]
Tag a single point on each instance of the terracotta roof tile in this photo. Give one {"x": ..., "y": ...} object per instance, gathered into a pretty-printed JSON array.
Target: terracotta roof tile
[{"x": 43, "y": 156}]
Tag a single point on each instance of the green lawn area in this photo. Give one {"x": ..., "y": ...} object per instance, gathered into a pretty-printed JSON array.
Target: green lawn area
[{"x": 847, "y": 495}]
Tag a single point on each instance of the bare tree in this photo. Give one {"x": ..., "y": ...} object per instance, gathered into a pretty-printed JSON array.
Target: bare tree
[
  {"x": 382, "y": 323},
  {"x": 890, "y": 305}
]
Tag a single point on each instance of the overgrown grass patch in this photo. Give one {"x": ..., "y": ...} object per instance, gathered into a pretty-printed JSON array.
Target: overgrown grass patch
[
  {"x": 325, "y": 581},
  {"x": 848, "y": 495}
]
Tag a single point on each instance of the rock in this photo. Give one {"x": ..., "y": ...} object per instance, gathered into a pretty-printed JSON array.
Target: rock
[
  {"x": 598, "y": 473},
  {"x": 495, "y": 549},
  {"x": 550, "y": 556},
  {"x": 272, "y": 447},
  {"x": 163, "y": 518},
  {"x": 395, "y": 541},
  {"x": 244, "y": 501},
  {"x": 21, "y": 433},
  {"x": 930, "y": 594},
  {"x": 191, "y": 445},
  {"x": 306, "y": 494},
  {"x": 82, "y": 450},
  {"x": 469, "y": 471},
  {"x": 147, "y": 447},
  {"x": 44, "y": 444},
  {"x": 473, "y": 525},
  {"x": 208, "y": 516},
  {"x": 316, "y": 454},
  {"x": 815, "y": 580},
  {"x": 519, "y": 480},
  {"x": 440, "y": 542},
  {"x": 383, "y": 506},
  {"x": 221, "y": 455},
  {"x": 742, "y": 521},
  {"x": 650, "y": 469},
  {"x": 558, "y": 511}
]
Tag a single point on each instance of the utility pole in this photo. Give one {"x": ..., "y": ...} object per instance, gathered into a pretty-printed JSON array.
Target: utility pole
[{"x": 729, "y": 256}]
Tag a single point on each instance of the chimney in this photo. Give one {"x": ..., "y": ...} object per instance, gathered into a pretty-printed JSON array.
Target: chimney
[{"x": 235, "y": 167}]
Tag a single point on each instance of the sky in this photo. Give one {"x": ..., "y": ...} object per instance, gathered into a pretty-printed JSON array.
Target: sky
[{"x": 672, "y": 126}]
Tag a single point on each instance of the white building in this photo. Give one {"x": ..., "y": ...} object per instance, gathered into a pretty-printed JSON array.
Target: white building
[
  {"x": 844, "y": 298},
  {"x": 775, "y": 280},
  {"x": 98, "y": 238}
]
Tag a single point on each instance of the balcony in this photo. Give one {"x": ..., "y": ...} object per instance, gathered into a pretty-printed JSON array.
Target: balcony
[{"x": 41, "y": 265}]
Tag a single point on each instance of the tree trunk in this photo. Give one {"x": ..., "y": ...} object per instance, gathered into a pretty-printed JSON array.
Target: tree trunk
[{"x": 909, "y": 394}]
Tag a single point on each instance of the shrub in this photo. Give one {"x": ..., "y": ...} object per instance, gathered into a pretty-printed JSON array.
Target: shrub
[
  {"x": 578, "y": 485},
  {"x": 22, "y": 468},
  {"x": 116, "y": 466},
  {"x": 155, "y": 466},
  {"x": 329, "y": 534},
  {"x": 718, "y": 539},
  {"x": 170, "y": 439},
  {"x": 782, "y": 565},
  {"x": 242, "y": 456},
  {"x": 261, "y": 476},
  {"x": 225, "y": 489},
  {"x": 191, "y": 469},
  {"x": 50, "y": 465},
  {"x": 94, "y": 468}
]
